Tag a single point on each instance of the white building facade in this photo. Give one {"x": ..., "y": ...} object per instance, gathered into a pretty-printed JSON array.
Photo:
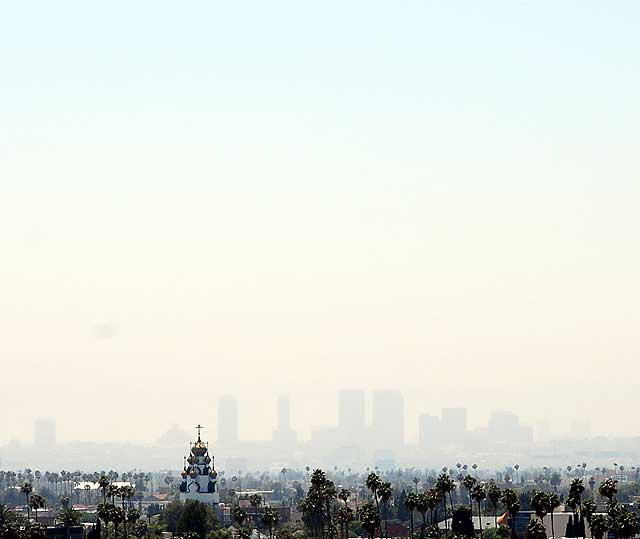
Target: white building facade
[{"x": 199, "y": 477}]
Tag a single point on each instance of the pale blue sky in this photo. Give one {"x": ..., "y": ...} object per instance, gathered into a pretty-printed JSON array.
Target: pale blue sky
[{"x": 314, "y": 189}]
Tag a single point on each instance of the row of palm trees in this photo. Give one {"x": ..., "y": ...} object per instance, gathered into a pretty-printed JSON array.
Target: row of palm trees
[{"x": 269, "y": 517}]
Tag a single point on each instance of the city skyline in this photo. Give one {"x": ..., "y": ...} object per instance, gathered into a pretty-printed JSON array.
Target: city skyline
[{"x": 356, "y": 415}]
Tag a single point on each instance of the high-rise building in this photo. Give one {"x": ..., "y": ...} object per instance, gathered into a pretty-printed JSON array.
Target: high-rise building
[
  {"x": 351, "y": 411},
  {"x": 227, "y": 419},
  {"x": 284, "y": 413},
  {"x": 505, "y": 427},
  {"x": 44, "y": 433},
  {"x": 387, "y": 424},
  {"x": 429, "y": 431},
  {"x": 453, "y": 425},
  {"x": 284, "y": 434}
]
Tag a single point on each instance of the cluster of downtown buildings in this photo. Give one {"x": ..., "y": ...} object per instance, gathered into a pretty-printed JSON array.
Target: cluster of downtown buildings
[
  {"x": 366, "y": 434},
  {"x": 380, "y": 441}
]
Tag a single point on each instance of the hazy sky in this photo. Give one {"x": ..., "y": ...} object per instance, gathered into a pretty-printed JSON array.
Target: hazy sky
[{"x": 207, "y": 197}]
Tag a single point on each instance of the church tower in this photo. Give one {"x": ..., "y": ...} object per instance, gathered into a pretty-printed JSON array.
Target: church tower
[{"x": 199, "y": 477}]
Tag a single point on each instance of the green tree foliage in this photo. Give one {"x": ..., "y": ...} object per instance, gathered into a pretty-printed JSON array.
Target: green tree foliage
[
  {"x": 535, "y": 529},
  {"x": 478, "y": 494},
  {"x": 608, "y": 488},
  {"x": 385, "y": 492},
  {"x": 270, "y": 519},
  {"x": 538, "y": 503},
  {"x": 344, "y": 517},
  {"x": 170, "y": 517},
  {"x": 197, "y": 518},
  {"x": 370, "y": 518},
  {"x": 494, "y": 494},
  {"x": 512, "y": 503},
  {"x": 411, "y": 502},
  {"x": 461, "y": 521},
  {"x": 239, "y": 515},
  {"x": 318, "y": 505},
  {"x": 598, "y": 525},
  {"x": 553, "y": 502}
]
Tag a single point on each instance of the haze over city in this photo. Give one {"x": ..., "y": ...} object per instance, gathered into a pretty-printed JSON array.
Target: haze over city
[{"x": 283, "y": 198}]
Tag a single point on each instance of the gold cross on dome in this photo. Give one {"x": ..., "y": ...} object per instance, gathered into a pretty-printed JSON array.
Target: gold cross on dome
[{"x": 199, "y": 426}]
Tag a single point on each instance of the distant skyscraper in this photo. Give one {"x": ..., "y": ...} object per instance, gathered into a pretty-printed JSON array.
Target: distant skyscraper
[
  {"x": 284, "y": 434},
  {"x": 351, "y": 411},
  {"x": 505, "y": 427},
  {"x": 44, "y": 433},
  {"x": 387, "y": 425},
  {"x": 453, "y": 425},
  {"x": 429, "y": 431},
  {"x": 227, "y": 419},
  {"x": 284, "y": 413}
]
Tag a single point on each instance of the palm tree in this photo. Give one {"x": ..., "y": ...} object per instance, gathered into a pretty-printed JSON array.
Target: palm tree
[
  {"x": 574, "y": 498},
  {"x": 69, "y": 517},
  {"x": 469, "y": 482},
  {"x": 370, "y": 518},
  {"x": 270, "y": 519},
  {"x": 373, "y": 483},
  {"x": 125, "y": 493},
  {"x": 36, "y": 502},
  {"x": 433, "y": 500},
  {"x": 385, "y": 492},
  {"x": 27, "y": 489},
  {"x": 553, "y": 502},
  {"x": 422, "y": 505},
  {"x": 598, "y": 525},
  {"x": 539, "y": 503},
  {"x": 344, "y": 516},
  {"x": 284, "y": 482},
  {"x": 589, "y": 508},
  {"x": 535, "y": 530},
  {"x": 118, "y": 516},
  {"x": 445, "y": 486},
  {"x": 494, "y": 494},
  {"x": 512, "y": 503},
  {"x": 103, "y": 483},
  {"x": 478, "y": 494},
  {"x": 239, "y": 515},
  {"x": 411, "y": 502},
  {"x": 608, "y": 489},
  {"x": 105, "y": 512}
]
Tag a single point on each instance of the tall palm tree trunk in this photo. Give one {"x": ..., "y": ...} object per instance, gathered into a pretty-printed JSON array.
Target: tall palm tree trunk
[
  {"x": 480, "y": 516},
  {"x": 446, "y": 523},
  {"x": 410, "y": 522},
  {"x": 386, "y": 525}
]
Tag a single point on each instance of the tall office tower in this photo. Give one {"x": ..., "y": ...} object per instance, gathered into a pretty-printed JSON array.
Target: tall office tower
[
  {"x": 284, "y": 413},
  {"x": 505, "y": 427},
  {"x": 44, "y": 433},
  {"x": 284, "y": 434},
  {"x": 387, "y": 425},
  {"x": 429, "y": 431},
  {"x": 227, "y": 419},
  {"x": 453, "y": 425},
  {"x": 351, "y": 411}
]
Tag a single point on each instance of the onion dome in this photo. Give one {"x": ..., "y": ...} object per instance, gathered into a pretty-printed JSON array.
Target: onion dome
[
  {"x": 199, "y": 449},
  {"x": 213, "y": 474},
  {"x": 193, "y": 473},
  {"x": 184, "y": 474},
  {"x": 191, "y": 460}
]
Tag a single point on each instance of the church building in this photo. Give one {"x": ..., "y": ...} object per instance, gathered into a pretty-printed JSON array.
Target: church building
[{"x": 199, "y": 477}]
